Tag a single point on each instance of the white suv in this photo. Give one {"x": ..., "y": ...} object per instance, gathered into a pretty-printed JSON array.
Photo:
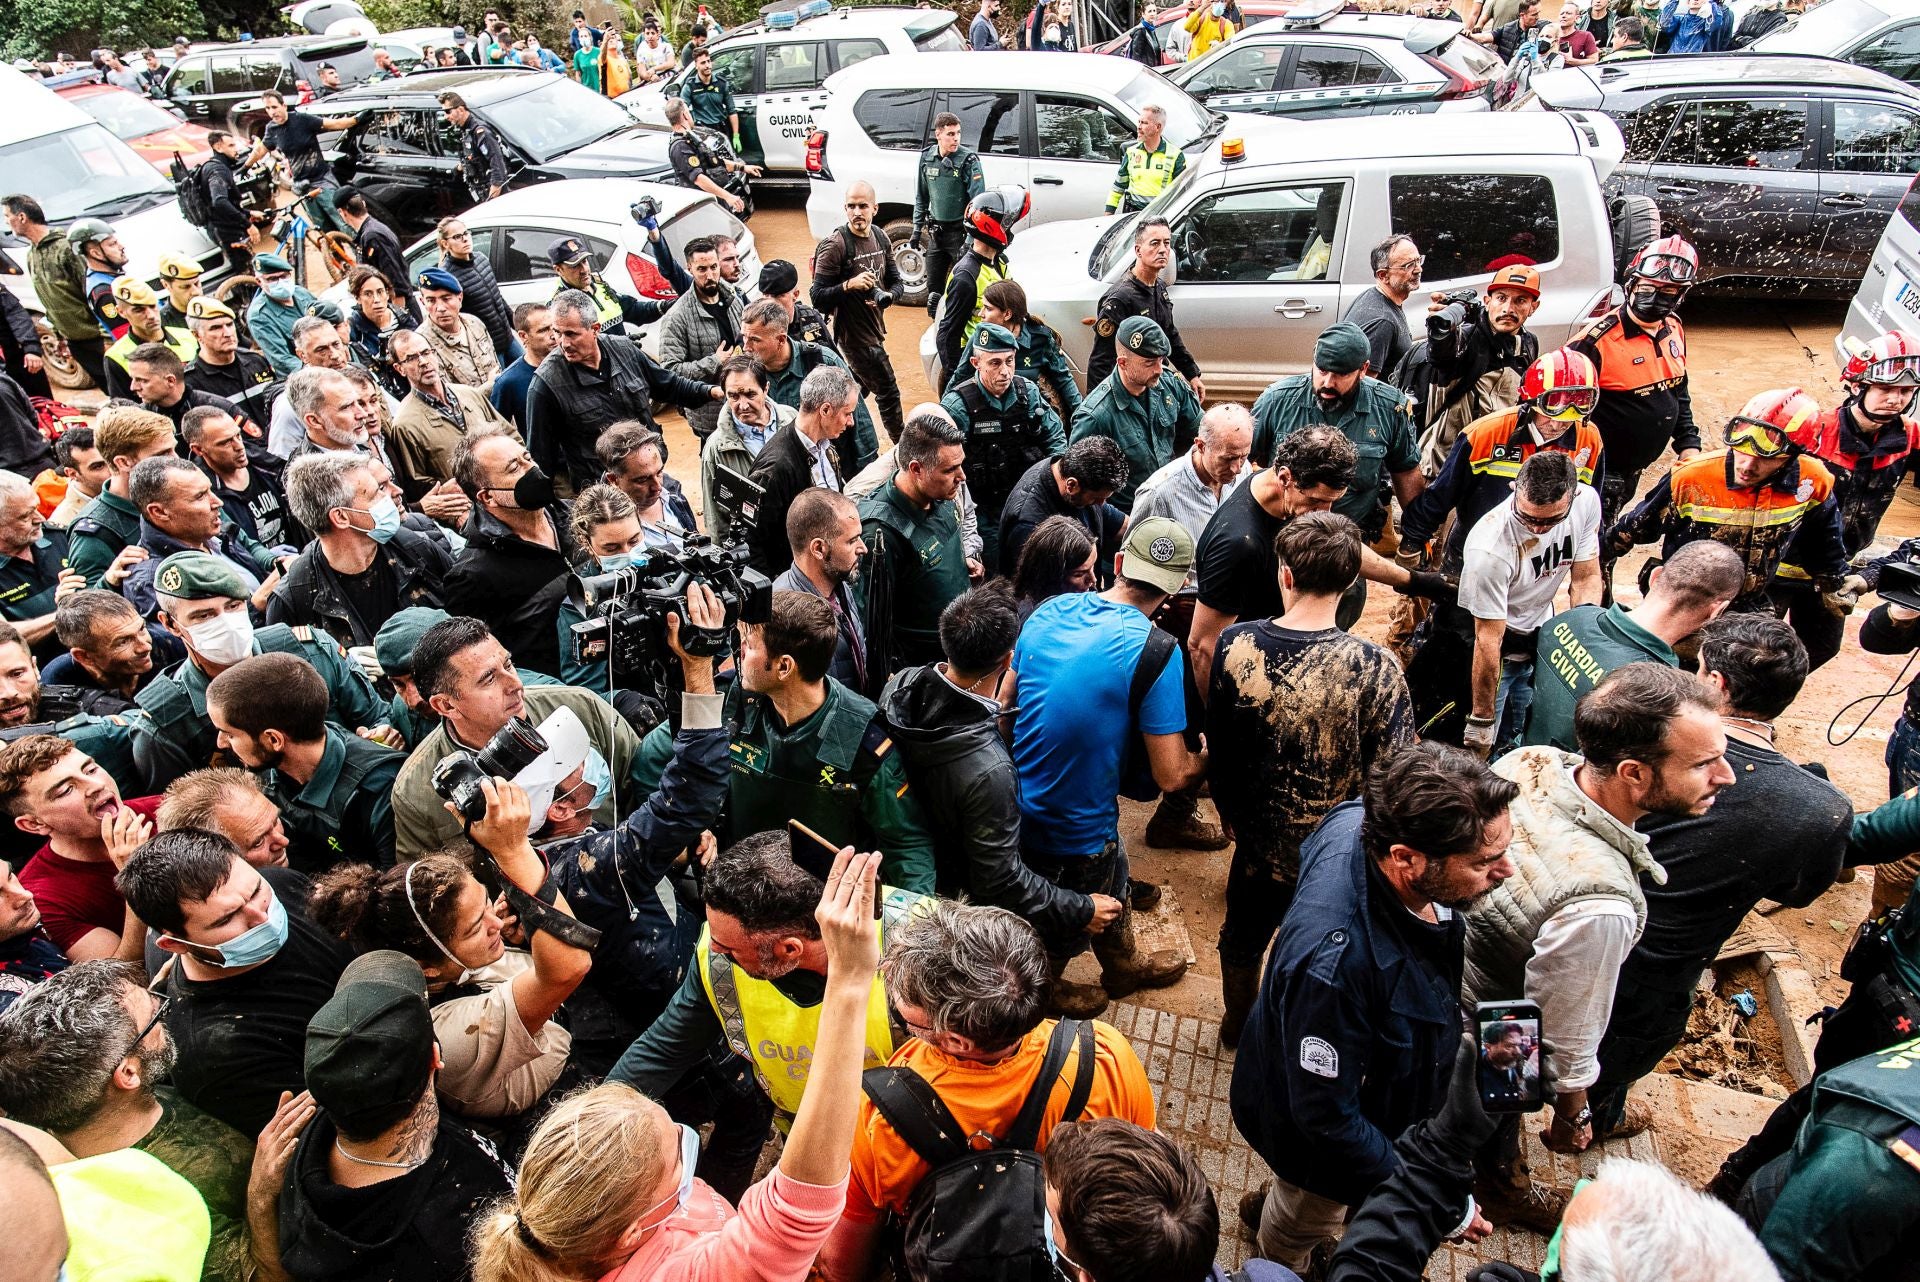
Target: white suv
[
  {"x": 1272, "y": 248},
  {"x": 778, "y": 74},
  {"x": 1056, "y": 125}
]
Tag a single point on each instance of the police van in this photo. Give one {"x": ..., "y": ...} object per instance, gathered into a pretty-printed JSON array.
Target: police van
[{"x": 778, "y": 69}]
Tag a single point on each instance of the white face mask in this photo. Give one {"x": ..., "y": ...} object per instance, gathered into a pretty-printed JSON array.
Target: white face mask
[{"x": 225, "y": 639}]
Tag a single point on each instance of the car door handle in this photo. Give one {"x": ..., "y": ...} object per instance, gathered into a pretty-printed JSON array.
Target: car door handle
[
  {"x": 1845, "y": 200},
  {"x": 1670, "y": 190},
  {"x": 1048, "y": 180},
  {"x": 1296, "y": 308}
]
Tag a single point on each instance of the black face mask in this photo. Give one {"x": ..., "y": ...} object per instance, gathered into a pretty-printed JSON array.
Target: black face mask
[
  {"x": 533, "y": 491},
  {"x": 1651, "y": 304}
]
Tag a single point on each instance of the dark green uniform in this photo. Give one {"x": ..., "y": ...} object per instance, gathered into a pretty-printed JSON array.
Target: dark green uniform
[
  {"x": 1005, "y": 437},
  {"x": 941, "y": 191},
  {"x": 783, "y": 387},
  {"x": 1845, "y": 1203},
  {"x": 27, "y": 585},
  {"x": 1379, "y": 423},
  {"x": 836, "y": 772},
  {"x": 1150, "y": 428},
  {"x": 106, "y": 525},
  {"x": 344, "y": 814},
  {"x": 916, "y": 566},
  {"x": 711, "y": 102},
  {"x": 1040, "y": 359},
  {"x": 177, "y": 737},
  {"x": 107, "y": 738}
]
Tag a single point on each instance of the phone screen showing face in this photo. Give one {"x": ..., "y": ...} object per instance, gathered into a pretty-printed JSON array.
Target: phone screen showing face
[{"x": 1508, "y": 1065}]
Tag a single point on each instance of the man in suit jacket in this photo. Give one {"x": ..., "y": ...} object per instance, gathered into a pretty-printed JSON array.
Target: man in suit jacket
[{"x": 799, "y": 456}]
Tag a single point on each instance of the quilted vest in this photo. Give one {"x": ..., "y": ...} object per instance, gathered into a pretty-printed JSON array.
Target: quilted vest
[{"x": 1565, "y": 849}]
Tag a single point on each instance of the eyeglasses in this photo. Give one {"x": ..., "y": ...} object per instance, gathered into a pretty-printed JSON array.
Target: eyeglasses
[
  {"x": 1671, "y": 267},
  {"x": 1411, "y": 264},
  {"x": 1541, "y": 524},
  {"x": 1762, "y": 440},
  {"x": 1568, "y": 404},
  {"x": 160, "y": 1003}
]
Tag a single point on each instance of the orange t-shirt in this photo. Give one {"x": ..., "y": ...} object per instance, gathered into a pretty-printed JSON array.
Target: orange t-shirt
[{"x": 987, "y": 1097}]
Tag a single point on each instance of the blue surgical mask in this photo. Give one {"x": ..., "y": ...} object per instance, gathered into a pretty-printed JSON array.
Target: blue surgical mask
[
  {"x": 251, "y": 947},
  {"x": 597, "y": 774},
  {"x": 1219, "y": 11},
  {"x": 386, "y": 519},
  {"x": 1062, "y": 1266},
  {"x": 617, "y": 561},
  {"x": 279, "y": 291}
]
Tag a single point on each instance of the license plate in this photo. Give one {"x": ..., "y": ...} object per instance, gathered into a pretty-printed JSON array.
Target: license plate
[{"x": 1908, "y": 297}]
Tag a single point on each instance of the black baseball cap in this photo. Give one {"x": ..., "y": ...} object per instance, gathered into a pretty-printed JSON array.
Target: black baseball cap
[{"x": 370, "y": 1048}]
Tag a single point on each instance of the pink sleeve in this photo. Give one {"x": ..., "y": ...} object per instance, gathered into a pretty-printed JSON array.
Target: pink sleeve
[{"x": 778, "y": 1232}]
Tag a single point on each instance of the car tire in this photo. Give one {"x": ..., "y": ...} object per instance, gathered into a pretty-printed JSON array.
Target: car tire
[
  {"x": 57, "y": 362},
  {"x": 911, "y": 260},
  {"x": 1636, "y": 224}
]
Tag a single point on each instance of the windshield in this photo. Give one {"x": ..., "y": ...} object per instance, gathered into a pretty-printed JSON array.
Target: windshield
[
  {"x": 558, "y": 117},
  {"x": 354, "y": 62},
  {"x": 1116, "y": 242},
  {"x": 86, "y": 170},
  {"x": 126, "y": 115},
  {"x": 705, "y": 218},
  {"x": 1828, "y": 29},
  {"x": 1187, "y": 121}
]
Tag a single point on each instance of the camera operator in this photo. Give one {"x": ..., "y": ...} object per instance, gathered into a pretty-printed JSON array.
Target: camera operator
[
  {"x": 468, "y": 678},
  {"x": 855, "y": 280},
  {"x": 1476, "y": 351}
]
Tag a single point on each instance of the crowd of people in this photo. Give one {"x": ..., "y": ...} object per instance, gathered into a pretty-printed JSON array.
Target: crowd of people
[{"x": 370, "y": 913}]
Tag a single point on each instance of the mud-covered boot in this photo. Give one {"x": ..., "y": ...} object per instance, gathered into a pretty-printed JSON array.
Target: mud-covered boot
[
  {"x": 1067, "y": 999},
  {"x": 1177, "y": 824},
  {"x": 1124, "y": 969}
]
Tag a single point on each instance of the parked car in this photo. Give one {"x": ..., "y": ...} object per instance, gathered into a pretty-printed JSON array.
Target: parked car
[
  {"x": 779, "y": 74},
  {"x": 1881, "y": 34},
  {"x": 405, "y": 156},
  {"x": 1173, "y": 38},
  {"x": 1781, "y": 170},
  {"x": 1063, "y": 141},
  {"x": 330, "y": 18},
  {"x": 1345, "y": 64},
  {"x": 208, "y": 84},
  {"x": 80, "y": 169},
  {"x": 1889, "y": 292},
  {"x": 514, "y": 230},
  {"x": 1272, "y": 247},
  {"x": 406, "y": 45},
  {"x": 144, "y": 125}
]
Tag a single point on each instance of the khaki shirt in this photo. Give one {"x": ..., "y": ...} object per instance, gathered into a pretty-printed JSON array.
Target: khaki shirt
[
  {"x": 491, "y": 1066},
  {"x": 468, "y": 359}
]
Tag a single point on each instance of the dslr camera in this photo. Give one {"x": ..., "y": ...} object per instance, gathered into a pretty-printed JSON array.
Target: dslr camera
[
  {"x": 458, "y": 775},
  {"x": 644, "y": 208},
  {"x": 1459, "y": 308}
]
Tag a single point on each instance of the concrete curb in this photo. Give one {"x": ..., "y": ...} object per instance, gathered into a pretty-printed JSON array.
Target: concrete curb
[{"x": 1792, "y": 1000}]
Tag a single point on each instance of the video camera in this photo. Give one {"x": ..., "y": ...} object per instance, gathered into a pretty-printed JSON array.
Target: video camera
[
  {"x": 458, "y": 775},
  {"x": 624, "y": 623}
]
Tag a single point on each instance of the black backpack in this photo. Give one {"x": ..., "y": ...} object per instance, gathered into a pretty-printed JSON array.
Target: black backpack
[
  {"x": 190, "y": 188},
  {"x": 980, "y": 1213}
]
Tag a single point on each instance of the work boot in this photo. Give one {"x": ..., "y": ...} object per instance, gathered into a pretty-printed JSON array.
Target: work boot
[
  {"x": 1250, "y": 1204},
  {"x": 1637, "y": 1117},
  {"x": 1143, "y": 896},
  {"x": 1067, "y": 999},
  {"x": 1529, "y": 1205},
  {"x": 1239, "y": 985},
  {"x": 1177, "y": 824},
  {"x": 1125, "y": 970}
]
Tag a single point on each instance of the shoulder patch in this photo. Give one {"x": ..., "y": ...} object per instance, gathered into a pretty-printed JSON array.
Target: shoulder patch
[
  {"x": 1105, "y": 327},
  {"x": 1319, "y": 1057},
  {"x": 303, "y": 631}
]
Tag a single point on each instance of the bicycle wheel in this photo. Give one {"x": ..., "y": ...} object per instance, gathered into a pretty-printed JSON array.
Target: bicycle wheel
[{"x": 336, "y": 253}]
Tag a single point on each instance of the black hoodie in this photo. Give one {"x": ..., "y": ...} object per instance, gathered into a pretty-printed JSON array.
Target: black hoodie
[
  {"x": 964, "y": 776},
  {"x": 411, "y": 1229}
]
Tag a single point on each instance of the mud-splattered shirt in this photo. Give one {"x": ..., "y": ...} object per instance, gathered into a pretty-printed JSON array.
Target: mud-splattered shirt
[{"x": 1295, "y": 721}]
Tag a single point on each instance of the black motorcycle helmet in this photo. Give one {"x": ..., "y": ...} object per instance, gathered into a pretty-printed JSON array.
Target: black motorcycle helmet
[{"x": 992, "y": 214}]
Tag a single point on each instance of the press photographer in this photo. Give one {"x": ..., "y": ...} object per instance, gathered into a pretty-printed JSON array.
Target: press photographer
[{"x": 1476, "y": 351}]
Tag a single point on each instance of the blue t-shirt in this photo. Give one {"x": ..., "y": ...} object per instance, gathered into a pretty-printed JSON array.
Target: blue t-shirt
[{"x": 1075, "y": 660}]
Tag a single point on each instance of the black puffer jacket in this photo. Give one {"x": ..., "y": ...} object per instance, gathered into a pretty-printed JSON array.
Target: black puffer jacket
[
  {"x": 963, "y": 774},
  {"x": 514, "y": 586},
  {"x": 480, "y": 297}
]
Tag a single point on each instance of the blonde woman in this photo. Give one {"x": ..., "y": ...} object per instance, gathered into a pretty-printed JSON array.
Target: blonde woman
[{"x": 607, "y": 1191}]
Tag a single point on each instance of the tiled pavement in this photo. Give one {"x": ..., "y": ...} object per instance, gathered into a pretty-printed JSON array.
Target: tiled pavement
[{"x": 1191, "y": 1073}]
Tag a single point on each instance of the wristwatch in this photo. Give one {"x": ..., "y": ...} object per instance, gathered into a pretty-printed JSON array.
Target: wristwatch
[{"x": 1578, "y": 1120}]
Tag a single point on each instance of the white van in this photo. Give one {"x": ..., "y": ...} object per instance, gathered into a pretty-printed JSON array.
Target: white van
[
  {"x": 70, "y": 163},
  {"x": 1889, "y": 294}
]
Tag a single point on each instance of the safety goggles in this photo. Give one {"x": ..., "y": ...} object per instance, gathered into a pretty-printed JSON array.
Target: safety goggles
[
  {"x": 1668, "y": 267},
  {"x": 1568, "y": 404},
  {"x": 1894, "y": 371},
  {"x": 1762, "y": 440}
]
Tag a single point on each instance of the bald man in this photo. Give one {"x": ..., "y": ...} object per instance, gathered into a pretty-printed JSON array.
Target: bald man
[{"x": 854, "y": 281}]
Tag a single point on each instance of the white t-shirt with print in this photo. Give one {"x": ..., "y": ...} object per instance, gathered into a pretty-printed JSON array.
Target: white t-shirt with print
[{"x": 1513, "y": 573}]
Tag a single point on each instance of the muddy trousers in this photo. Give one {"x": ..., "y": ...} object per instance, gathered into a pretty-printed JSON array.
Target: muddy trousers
[
  {"x": 1616, "y": 496},
  {"x": 1648, "y": 1021},
  {"x": 1819, "y": 629},
  {"x": 1258, "y": 896}
]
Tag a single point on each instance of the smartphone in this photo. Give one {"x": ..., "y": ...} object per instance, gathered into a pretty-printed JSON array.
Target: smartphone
[
  {"x": 1508, "y": 1065},
  {"x": 815, "y": 854}
]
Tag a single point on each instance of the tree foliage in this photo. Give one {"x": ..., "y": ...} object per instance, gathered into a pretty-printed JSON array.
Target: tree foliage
[{"x": 40, "y": 28}]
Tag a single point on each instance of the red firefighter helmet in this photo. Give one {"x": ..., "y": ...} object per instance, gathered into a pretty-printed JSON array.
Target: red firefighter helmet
[
  {"x": 1563, "y": 385},
  {"x": 1774, "y": 422},
  {"x": 992, "y": 214},
  {"x": 1892, "y": 359},
  {"x": 1669, "y": 258}
]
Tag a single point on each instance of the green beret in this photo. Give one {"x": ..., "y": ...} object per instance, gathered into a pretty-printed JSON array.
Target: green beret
[
  {"x": 196, "y": 576},
  {"x": 1142, "y": 336},
  {"x": 1342, "y": 349},
  {"x": 326, "y": 311},
  {"x": 394, "y": 644},
  {"x": 994, "y": 338},
  {"x": 266, "y": 264}
]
